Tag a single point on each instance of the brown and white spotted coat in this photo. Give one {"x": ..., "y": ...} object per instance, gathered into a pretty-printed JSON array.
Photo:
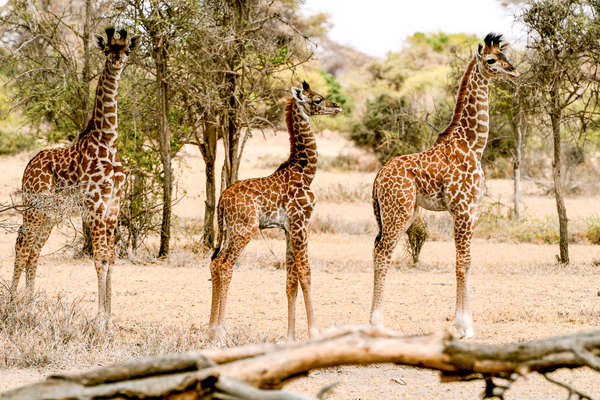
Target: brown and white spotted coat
[
  {"x": 282, "y": 200},
  {"x": 447, "y": 177},
  {"x": 89, "y": 168}
]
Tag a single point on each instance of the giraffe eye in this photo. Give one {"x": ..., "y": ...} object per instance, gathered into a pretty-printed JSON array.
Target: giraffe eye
[
  {"x": 127, "y": 52},
  {"x": 490, "y": 61},
  {"x": 318, "y": 101}
]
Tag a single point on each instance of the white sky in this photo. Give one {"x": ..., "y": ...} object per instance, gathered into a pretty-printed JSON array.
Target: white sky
[{"x": 378, "y": 26}]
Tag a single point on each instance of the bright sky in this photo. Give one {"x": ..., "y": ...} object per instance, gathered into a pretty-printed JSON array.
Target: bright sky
[{"x": 377, "y": 26}]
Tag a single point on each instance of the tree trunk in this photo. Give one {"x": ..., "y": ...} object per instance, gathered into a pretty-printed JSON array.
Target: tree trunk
[
  {"x": 518, "y": 126},
  {"x": 208, "y": 149},
  {"x": 86, "y": 77},
  {"x": 160, "y": 60},
  {"x": 555, "y": 117},
  {"x": 231, "y": 137}
]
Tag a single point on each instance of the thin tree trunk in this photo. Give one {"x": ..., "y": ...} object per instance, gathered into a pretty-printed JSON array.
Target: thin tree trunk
[
  {"x": 160, "y": 60},
  {"x": 208, "y": 149},
  {"x": 85, "y": 111},
  {"x": 555, "y": 118},
  {"x": 518, "y": 126}
]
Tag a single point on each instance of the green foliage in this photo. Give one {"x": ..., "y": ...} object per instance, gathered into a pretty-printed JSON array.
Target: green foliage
[
  {"x": 13, "y": 139},
  {"x": 593, "y": 231},
  {"x": 335, "y": 94},
  {"x": 12, "y": 142},
  {"x": 389, "y": 129},
  {"x": 440, "y": 41},
  {"x": 435, "y": 40}
]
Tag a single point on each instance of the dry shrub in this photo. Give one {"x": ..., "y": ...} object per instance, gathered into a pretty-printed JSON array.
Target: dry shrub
[
  {"x": 593, "y": 230},
  {"x": 417, "y": 235},
  {"x": 333, "y": 224},
  {"x": 38, "y": 330},
  {"x": 339, "y": 192}
]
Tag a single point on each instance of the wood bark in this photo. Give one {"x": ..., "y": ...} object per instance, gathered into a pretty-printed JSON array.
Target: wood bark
[
  {"x": 518, "y": 122},
  {"x": 208, "y": 148},
  {"x": 555, "y": 118},
  {"x": 236, "y": 373},
  {"x": 86, "y": 78},
  {"x": 159, "y": 54}
]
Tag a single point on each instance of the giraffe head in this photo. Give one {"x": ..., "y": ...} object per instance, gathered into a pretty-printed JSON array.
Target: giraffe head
[
  {"x": 491, "y": 59},
  {"x": 312, "y": 103},
  {"x": 116, "y": 49}
]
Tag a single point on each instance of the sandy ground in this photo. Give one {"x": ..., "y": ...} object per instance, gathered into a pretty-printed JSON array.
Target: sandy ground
[{"x": 518, "y": 291}]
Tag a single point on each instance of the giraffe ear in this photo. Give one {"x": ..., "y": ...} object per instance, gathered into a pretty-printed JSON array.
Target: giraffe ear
[
  {"x": 100, "y": 41},
  {"x": 479, "y": 50},
  {"x": 134, "y": 42},
  {"x": 297, "y": 94}
]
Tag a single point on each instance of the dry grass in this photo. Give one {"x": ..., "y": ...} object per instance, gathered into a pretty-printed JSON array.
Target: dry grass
[
  {"x": 518, "y": 290},
  {"x": 41, "y": 331}
]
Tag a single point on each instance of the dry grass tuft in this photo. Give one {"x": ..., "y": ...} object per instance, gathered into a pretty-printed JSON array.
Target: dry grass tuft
[
  {"x": 335, "y": 224},
  {"x": 338, "y": 192},
  {"x": 38, "y": 330}
]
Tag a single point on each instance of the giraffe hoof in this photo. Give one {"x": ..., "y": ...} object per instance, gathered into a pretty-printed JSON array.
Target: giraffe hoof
[
  {"x": 217, "y": 335},
  {"x": 376, "y": 319},
  {"x": 314, "y": 334},
  {"x": 465, "y": 332}
]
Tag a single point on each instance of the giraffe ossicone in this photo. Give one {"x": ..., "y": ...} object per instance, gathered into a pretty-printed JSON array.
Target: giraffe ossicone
[
  {"x": 91, "y": 168},
  {"x": 446, "y": 177},
  {"x": 283, "y": 200}
]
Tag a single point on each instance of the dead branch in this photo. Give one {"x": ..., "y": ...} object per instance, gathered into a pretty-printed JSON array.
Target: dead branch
[{"x": 238, "y": 373}]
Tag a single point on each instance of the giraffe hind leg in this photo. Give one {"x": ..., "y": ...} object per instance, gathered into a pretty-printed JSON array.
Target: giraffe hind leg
[
  {"x": 291, "y": 287},
  {"x": 223, "y": 267},
  {"x": 395, "y": 212},
  {"x": 32, "y": 236}
]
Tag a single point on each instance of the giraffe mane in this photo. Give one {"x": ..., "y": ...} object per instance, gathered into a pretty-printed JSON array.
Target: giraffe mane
[
  {"x": 290, "y": 126},
  {"x": 493, "y": 39},
  {"x": 460, "y": 102},
  {"x": 87, "y": 129}
]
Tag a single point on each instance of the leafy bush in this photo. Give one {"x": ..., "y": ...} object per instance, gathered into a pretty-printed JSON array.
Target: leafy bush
[
  {"x": 593, "y": 230},
  {"x": 388, "y": 128},
  {"x": 15, "y": 142},
  {"x": 334, "y": 93}
]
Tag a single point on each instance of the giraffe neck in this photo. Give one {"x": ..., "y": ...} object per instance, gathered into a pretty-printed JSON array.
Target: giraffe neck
[
  {"x": 303, "y": 146},
  {"x": 104, "y": 122},
  {"x": 470, "y": 119}
]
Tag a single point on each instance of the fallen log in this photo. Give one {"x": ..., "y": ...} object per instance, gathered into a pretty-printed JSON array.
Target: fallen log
[{"x": 242, "y": 372}]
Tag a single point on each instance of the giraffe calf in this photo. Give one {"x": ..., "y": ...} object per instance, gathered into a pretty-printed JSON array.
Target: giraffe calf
[
  {"x": 283, "y": 200},
  {"x": 446, "y": 177}
]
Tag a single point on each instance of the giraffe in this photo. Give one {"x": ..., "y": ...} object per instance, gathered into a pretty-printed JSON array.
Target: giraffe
[
  {"x": 281, "y": 200},
  {"x": 90, "y": 167},
  {"x": 446, "y": 177}
]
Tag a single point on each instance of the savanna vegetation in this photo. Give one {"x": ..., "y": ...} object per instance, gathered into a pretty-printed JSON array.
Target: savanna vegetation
[{"x": 210, "y": 78}]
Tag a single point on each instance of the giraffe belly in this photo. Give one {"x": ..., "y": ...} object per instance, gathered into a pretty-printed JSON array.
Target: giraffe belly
[
  {"x": 431, "y": 203},
  {"x": 273, "y": 219}
]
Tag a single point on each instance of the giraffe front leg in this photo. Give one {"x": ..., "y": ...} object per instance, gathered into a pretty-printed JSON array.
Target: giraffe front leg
[
  {"x": 291, "y": 287},
  {"x": 299, "y": 239},
  {"x": 101, "y": 263},
  {"x": 463, "y": 320},
  {"x": 111, "y": 226}
]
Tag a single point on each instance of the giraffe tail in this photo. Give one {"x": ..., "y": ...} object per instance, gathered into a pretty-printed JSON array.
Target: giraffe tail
[
  {"x": 219, "y": 231},
  {"x": 377, "y": 212}
]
